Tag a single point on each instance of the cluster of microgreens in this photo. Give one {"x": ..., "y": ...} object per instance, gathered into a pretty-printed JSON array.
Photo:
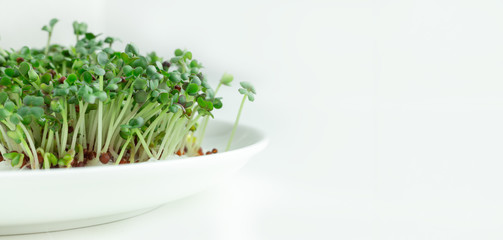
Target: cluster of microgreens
[{"x": 59, "y": 104}]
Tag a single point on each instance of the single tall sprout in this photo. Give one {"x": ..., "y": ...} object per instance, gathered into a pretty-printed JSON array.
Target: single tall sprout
[{"x": 248, "y": 91}]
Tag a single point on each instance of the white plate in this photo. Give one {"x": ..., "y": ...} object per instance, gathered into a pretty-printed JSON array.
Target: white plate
[{"x": 56, "y": 199}]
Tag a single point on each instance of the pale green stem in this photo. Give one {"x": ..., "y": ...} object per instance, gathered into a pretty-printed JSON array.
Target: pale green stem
[
  {"x": 32, "y": 145},
  {"x": 82, "y": 111},
  {"x": 48, "y": 44},
  {"x": 100, "y": 123},
  {"x": 64, "y": 129},
  {"x": 142, "y": 141},
  {"x": 235, "y": 124},
  {"x": 123, "y": 150}
]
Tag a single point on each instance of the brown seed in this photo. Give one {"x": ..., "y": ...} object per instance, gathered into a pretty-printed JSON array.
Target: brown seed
[
  {"x": 105, "y": 157},
  {"x": 166, "y": 64},
  {"x": 178, "y": 88},
  {"x": 52, "y": 72},
  {"x": 124, "y": 161},
  {"x": 25, "y": 163},
  {"x": 70, "y": 129},
  {"x": 77, "y": 108},
  {"x": 208, "y": 153},
  {"x": 214, "y": 150},
  {"x": 200, "y": 151},
  {"x": 62, "y": 79},
  {"x": 179, "y": 153},
  {"x": 1, "y": 158},
  {"x": 40, "y": 158},
  {"x": 123, "y": 79},
  {"x": 19, "y": 60}
]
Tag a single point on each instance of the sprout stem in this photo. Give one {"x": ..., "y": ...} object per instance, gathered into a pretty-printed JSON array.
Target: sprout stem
[
  {"x": 32, "y": 145},
  {"x": 100, "y": 123},
  {"x": 235, "y": 124},
  {"x": 83, "y": 108},
  {"x": 48, "y": 44},
  {"x": 123, "y": 150},
  {"x": 142, "y": 141}
]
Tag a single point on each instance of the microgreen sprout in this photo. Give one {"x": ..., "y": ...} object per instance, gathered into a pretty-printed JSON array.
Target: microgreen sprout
[
  {"x": 248, "y": 91},
  {"x": 64, "y": 107},
  {"x": 49, "y": 28}
]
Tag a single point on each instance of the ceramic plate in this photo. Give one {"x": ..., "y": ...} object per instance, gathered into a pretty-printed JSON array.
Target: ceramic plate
[{"x": 56, "y": 199}]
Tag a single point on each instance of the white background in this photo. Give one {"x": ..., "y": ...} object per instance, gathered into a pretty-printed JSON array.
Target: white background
[{"x": 385, "y": 117}]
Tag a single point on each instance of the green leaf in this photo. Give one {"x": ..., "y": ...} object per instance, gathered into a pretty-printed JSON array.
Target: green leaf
[
  {"x": 102, "y": 96},
  {"x": 125, "y": 132},
  {"x": 178, "y": 52},
  {"x": 174, "y": 108},
  {"x": 243, "y": 91},
  {"x": 52, "y": 159},
  {"x": 226, "y": 79},
  {"x": 99, "y": 71},
  {"x": 136, "y": 122},
  {"x": 132, "y": 48},
  {"x": 140, "y": 96},
  {"x": 153, "y": 84},
  {"x": 127, "y": 70},
  {"x": 71, "y": 78},
  {"x": 125, "y": 58},
  {"x": 217, "y": 103},
  {"x": 19, "y": 158},
  {"x": 196, "y": 80},
  {"x": 33, "y": 100},
  {"x": 194, "y": 64},
  {"x": 9, "y": 72},
  {"x": 4, "y": 114},
  {"x": 14, "y": 136},
  {"x": 10, "y": 106},
  {"x": 140, "y": 62},
  {"x": 188, "y": 55},
  {"x": 204, "y": 112},
  {"x": 140, "y": 84},
  {"x": 53, "y": 22},
  {"x": 56, "y": 106},
  {"x": 46, "y": 78},
  {"x": 109, "y": 40},
  {"x": 89, "y": 98},
  {"x": 87, "y": 77},
  {"x": 192, "y": 89},
  {"x": 163, "y": 98},
  {"x": 5, "y": 81},
  {"x": 37, "y": 112},
  {"x": 11, "y": 155},
  {"x": 151, "y": 71},
  {"x": 79, "y": 28},
  {"x": 175, "y": 77},
  {"x": 112, "y": 87},
  {"x": 24, "y": 67},
  {"x": 248, "y": 86},
  {"x": 102, "y": 58},
  {"x": 61, "y": 91},
  {"x": 3, "y": 97},
  {"x": 138, "y": 71},
  {"x": 32, "y": 75}
]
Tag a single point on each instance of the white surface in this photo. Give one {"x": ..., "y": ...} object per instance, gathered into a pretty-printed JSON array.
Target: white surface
[{"x": 385, "y": 117}]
